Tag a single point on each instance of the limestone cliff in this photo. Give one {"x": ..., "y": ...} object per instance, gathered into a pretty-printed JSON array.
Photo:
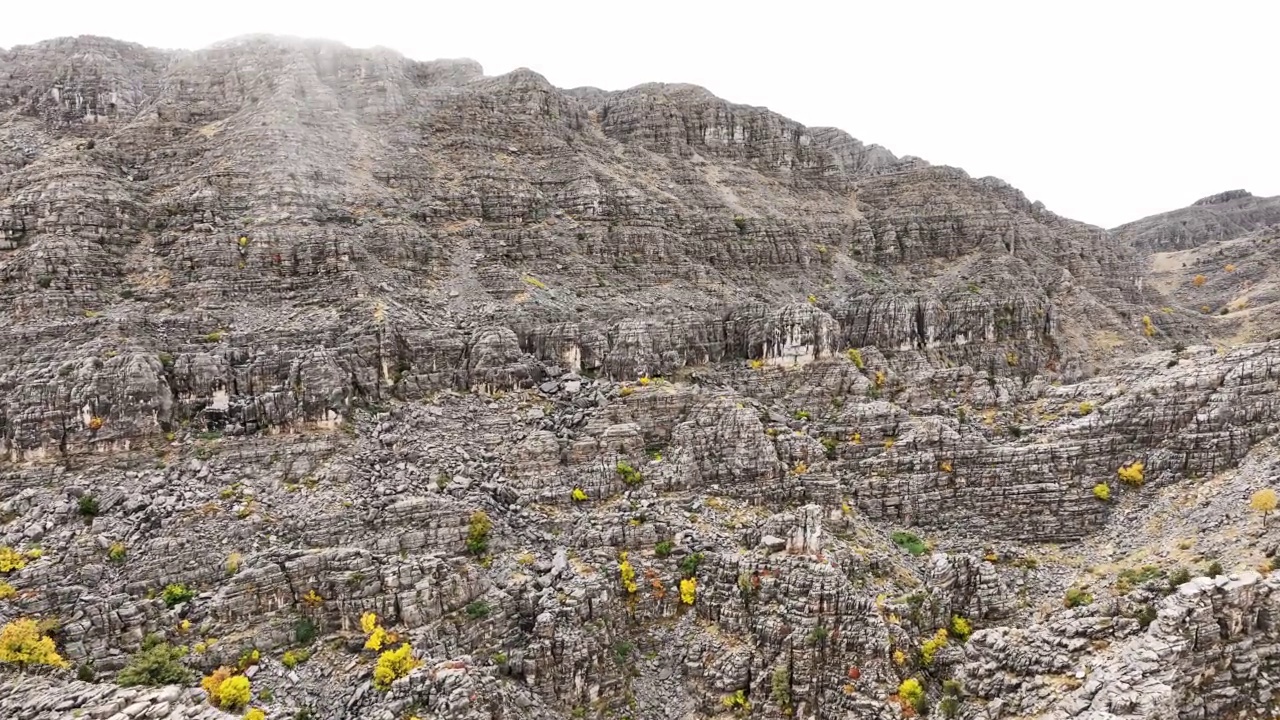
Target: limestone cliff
[{"x": 610, "y": 404}]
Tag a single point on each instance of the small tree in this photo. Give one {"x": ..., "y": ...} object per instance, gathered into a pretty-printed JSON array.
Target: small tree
[
  {"x": 781, "y": 688},
  {"x": 1263, "y": 501}
]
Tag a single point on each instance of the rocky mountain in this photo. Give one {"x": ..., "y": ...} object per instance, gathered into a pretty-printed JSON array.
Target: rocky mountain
[{"x": 402, "y": 391}]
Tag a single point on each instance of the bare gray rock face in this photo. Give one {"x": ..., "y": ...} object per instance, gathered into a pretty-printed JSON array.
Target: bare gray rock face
[
  {"x": 599, "y": 404},
  {"x": 1223, "y": 216}
]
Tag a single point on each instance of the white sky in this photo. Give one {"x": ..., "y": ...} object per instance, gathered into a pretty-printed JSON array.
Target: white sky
[{"x": 1105, "y": 111}]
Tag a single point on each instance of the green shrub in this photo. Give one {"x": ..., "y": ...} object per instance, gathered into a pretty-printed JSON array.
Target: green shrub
[
  {"x": 1214, "y": 569},
  {"x": 909, "y": 542},
  {"x": 478, "y": 609},
  {"x": 88, "y": 505},
  {"x": 117, "y": 553},
  {"x": 159, "y": 664},
  {"x": 1128, "y": 579},
  {"x": 622, "y": 650},
  {"x": 630, "y": 476},
  {"x": 819, "y": 635},
  {"x": 780, "y": 686},
  {"x": 176, "y": 594},
  {"x": 689, "y": 565},
  {"x": 304, "y": 631},
  {"x": 1179, "y": 577},
  {"x": 44, "y": 281},
  {"x": 1145, "y": 616},
  {"x": 1076, "y": 597},
  {"x": 663, "y": 548}
]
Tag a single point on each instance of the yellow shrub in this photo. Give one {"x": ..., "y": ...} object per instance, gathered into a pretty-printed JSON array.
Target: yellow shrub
[
  {"x": 688, "y": 590},
  {"x": 855, "y": 356},
  {"x": 579, "y": 495},
  {"x": 7, "y": 591},
  {"x": 960, "y": 627},
  {"x": 225, "y": 689},
  {"x": 737, "y": 701},
  {"x": 368, "y": 622},
  {"x": 393, "y": 665},
  {"x": 1102, "y": 491},
  {"x": 800, "y": 468},
  {"x": 1198, "y": 280},
  {"x": 945, "y": 466},
  {"x": 1086, "y": 407},
  {"x": 899, "y": 658},
  {"x": 932, "y": 646},
  {"x": 23, "y": 644},
  {"x": 11, "y": 560},
  {"x": 255, "y": 714},
  {"x": 1132, "y": 473},
  {"x": 294, "y": 658},
  {"x": 627, "y": 573},
  {"x": 912, "y": 693},
  {"x": 1148, "y": 327},
  {"x": 376, "y": 638},
  {"x": 233, "y": 693}
]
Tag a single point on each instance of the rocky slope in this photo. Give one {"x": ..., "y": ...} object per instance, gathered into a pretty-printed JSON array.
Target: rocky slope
[
  {"x": 611, "y": 404},
  {"x": 1220, "y": 257}
]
